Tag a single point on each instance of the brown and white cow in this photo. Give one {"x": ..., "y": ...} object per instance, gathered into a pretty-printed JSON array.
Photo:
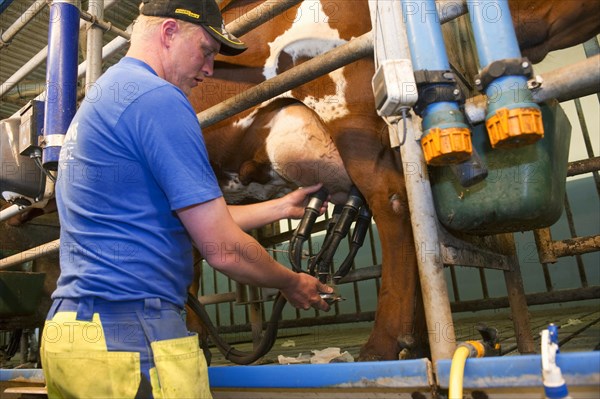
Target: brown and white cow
[
  {"x": 266, "y": 147},
  {"x": 328, "y": 131}
]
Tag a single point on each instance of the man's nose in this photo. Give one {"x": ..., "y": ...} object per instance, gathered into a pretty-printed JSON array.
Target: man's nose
[{"x": 208, "y": 67}]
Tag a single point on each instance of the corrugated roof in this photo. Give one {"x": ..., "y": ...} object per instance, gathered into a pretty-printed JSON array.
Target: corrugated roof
[{"x": 34, "y": 37}]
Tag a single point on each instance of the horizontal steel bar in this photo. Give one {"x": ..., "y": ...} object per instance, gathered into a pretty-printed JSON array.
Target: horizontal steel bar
[
  {"x": 107, "y": 26},
  {"x": 259, "y": 15},
  {"x": 540, "y": 298},
  {"x": 217, "y": 298},
  {"x": 573, "y": 81},
  {"x": 349, "y": 52},
  {"x": 576, "y": 246},
  {"x": 35, "y": 62},
  {"x": 30, "y": 254},
  {"x": 583, "y": 166},
  {"x": 21, "y": 22}
]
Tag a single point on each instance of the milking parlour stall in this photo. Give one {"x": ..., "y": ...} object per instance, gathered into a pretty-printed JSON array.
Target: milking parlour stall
[{"x": 455, "y": 141}]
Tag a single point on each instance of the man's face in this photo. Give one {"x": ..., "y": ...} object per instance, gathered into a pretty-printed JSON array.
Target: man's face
[{"x": 193, "y": 56}]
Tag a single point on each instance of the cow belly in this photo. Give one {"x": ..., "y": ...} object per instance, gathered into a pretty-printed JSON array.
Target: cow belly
[
  {"x": 235, "y": 192},
  {"x": 301, "y": 151}
]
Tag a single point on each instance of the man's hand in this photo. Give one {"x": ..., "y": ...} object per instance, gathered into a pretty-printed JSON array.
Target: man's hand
[
  {"x": 304, "y": 292},
  {"x": 296, "y": 201},
  {"x": 290, "y": 206}
]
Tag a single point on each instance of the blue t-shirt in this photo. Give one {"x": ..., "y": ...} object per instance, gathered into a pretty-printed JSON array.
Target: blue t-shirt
[{"x": 133, "y": 155}]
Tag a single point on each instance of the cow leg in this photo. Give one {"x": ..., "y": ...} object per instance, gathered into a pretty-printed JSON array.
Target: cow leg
[
  {"x": 399, "y": 320},
  {"x": 377, "y": 172}
]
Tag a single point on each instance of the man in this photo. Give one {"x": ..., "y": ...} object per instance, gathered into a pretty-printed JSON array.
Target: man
[{"x": 134, "y": 186}]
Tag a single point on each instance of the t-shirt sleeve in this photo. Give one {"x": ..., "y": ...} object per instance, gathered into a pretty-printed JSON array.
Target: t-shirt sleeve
[{"x": 170, "y": 141}]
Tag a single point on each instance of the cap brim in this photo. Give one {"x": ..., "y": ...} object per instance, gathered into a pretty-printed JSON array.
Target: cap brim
[{"x": 230, "y": 45}]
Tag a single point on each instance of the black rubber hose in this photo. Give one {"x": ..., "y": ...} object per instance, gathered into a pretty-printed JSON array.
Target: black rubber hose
[
  {"x": 311, "y": 213},
  {"x": 322, "y": 262},
  {"x": 230, "y": 353},
  {"x": 358, "y": 239},
  {"x": 14, "y": 343},
  {"x": 335, "y": 217}
]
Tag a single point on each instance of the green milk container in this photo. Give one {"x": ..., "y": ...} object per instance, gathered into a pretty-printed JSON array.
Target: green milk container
[{"x": 524, "y": 189}]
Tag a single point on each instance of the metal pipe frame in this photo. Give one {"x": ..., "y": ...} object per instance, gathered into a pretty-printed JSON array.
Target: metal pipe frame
[
  {"x": 259, "y": 15},
  {"x": 98, "y": 22},
  {"x": 349, "y": 52},
  {"x": 36, "y": 61},
  {"x": 24, "y": 90},
  {"x": 11, "y": 211},
  {"x": 108, "y": 51},
  {"x": 554, "y": 83},
  {"x": 582, "y": 123},
  {"x": 549, "y": 250},
  {"x": 427, "y": 243},
  {"x": 94, "y": 42},
  {"x": 541, "y": 298},
  {"x": 420, "y": 198},
  {"x": 576, "y": 80},
  {"x": 20, "y": 23},
  {"x": 40, "y": 251},
  {"x": 583, "y": 166}
]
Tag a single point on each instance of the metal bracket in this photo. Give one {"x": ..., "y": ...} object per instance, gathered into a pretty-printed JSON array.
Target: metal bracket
[
  {"x": 436, "y": 86},
  {"x": 499, "y": 68}
]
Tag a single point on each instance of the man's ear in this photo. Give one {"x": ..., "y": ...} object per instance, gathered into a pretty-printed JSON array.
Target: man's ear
[{"x": 169, "y": 29}]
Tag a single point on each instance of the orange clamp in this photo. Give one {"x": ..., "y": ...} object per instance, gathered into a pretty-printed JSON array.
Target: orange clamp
[
  {"x": 478, "y": 348},
  {"x": 511, "y": 128},
  {"x": 446, "y": 146}
]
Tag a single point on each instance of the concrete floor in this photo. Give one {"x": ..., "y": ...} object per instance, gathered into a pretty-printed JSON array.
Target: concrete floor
[{"x": 579, "y": 331}]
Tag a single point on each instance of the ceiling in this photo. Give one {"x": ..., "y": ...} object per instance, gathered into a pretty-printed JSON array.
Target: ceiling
[{"x": 34, "y": 37}]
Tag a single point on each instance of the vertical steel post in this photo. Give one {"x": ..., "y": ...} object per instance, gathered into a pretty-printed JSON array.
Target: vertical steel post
[
  {"x": 390, "y": 42},
  {"x": 94, "y": 44}
]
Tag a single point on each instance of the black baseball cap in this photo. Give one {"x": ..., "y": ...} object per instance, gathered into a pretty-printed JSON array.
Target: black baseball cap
[{"x": 201, "y": 12}]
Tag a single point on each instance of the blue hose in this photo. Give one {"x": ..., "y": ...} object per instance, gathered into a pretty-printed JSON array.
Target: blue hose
[
  {"x": 446, "y": 137},
  {"x": 61, "y": 78},
  {"x": 512, "y": 118}
]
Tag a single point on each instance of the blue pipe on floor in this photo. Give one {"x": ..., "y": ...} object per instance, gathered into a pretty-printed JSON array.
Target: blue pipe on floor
[
  {"x": 513, "y": 118},
  {"x": 61, "y": 78},
  {"x": 446, "y": 137}
]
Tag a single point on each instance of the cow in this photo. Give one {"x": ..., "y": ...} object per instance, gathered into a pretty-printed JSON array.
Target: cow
[
  {"x": 334, "y": 111},
  {"x": 328, "y": 131}
]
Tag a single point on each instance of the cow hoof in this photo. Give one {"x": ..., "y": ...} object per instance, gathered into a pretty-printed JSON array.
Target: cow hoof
[
  {"x": 371, "y": 354},
  {"x": 369, "y": 358},
  {"x": 404, "y": 354}
]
